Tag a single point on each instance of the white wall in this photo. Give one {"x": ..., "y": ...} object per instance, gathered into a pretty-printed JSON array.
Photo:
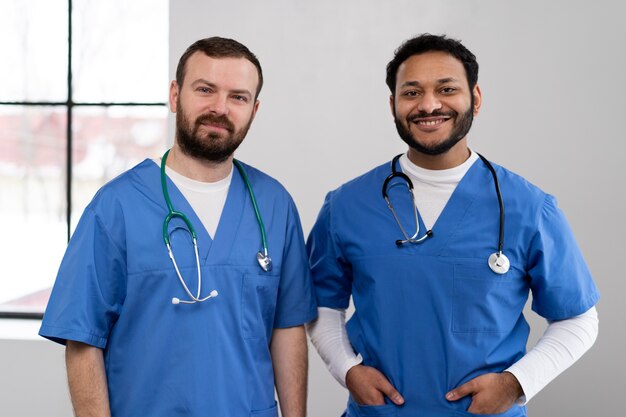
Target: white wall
[
  {"x": 552, "y": 76},
  {"x": 32, "y": 373}
]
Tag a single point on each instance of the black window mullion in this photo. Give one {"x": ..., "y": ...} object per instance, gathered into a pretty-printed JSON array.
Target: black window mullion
[
  {"x": 68, "y": 155},
  {"x": 69, "y": 104}
]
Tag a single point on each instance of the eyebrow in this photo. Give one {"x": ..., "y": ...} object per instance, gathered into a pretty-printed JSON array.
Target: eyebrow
[
  {"x": 439, "y": 81},
  {"x": 241, "y": 91}
]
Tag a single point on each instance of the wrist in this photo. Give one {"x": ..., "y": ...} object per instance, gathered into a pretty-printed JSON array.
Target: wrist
[
  {"x": 513, "y": 385},
  {"x": 347, "y": 366}
]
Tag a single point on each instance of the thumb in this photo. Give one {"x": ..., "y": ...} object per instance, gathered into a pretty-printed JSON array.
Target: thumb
[
  {"x": 391, "y": 392},
  {"x": 460, "y": 391}
]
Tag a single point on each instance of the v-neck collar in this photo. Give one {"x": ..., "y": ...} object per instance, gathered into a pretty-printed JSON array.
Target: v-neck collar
[
  {"x": 218, "y": 249},
  {"x": 452, "y": 217},
  {"x": 454, "y": 212}
]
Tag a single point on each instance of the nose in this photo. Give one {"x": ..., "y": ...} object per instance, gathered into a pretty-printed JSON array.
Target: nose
[
  {"x": 218, "y": 105},
  {"x": 429, "y": 103}
]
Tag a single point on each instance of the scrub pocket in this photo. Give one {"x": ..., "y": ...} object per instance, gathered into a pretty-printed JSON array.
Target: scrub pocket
[
  {"x": 485, "y": 302},
  {"x": 356, "y": 410},
  {"x": 270, "y": 412},
  {"x": 258, "y": 304}
]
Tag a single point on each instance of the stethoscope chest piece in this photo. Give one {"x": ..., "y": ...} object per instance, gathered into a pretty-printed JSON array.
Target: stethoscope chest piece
[
  {"x": 499, "y": 263},
  {"x": 265, "y": 261}
]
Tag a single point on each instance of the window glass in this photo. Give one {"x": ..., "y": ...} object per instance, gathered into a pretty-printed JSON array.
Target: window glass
[
  {"x": 34, "y": 50},
  {"x": 120, "y": 51},
  {"x": 110, "y": 140},
  {"x": 119, "y": 56},
  {"x": 32, "y": 201}
]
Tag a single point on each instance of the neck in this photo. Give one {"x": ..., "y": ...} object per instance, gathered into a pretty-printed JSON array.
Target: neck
[
  {"x": 197, "y": 169},
  {"x": 453, "y": 158}
]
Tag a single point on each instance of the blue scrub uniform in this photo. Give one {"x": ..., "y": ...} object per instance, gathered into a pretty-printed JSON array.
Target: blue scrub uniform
[
  {"x": 116, "y": 283},
  {"x": 432, "y": 316}
]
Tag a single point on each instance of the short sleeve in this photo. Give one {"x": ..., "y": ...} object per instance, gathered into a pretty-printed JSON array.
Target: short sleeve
[
  {"x": 296, "y": 301},
  {"x": 90, "y": 287},
  {"x": 332, "y": 277},
  {"x": 561, "y": 283}
]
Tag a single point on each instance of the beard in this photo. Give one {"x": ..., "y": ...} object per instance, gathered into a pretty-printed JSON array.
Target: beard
[
  {"x": 462, "y": 125},
  {"x": 213, "y": 147}
]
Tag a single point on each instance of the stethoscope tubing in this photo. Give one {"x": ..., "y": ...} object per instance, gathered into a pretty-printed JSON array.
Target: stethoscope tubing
[
  {"x": 259, "y": 219},
  {"x": 500, "y": 203},
  {"x": 498, "y": 262},
  {"x": 263, "y": 258}
]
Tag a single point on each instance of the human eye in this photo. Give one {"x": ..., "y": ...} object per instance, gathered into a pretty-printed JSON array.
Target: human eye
[
  {"x": 241, "y": 98},
  {"x": 448, "y": 90},
  {"x": 410, "y": 93},
  {"x": 203, "y": 89}
]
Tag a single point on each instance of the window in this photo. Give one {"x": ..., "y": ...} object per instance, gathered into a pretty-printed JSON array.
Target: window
[{"x": 83, "y": 89}]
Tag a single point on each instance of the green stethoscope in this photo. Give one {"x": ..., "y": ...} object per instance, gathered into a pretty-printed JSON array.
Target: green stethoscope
[{"x": 262, "y": 256}]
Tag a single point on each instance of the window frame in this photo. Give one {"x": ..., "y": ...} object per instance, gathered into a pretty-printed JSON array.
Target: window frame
[{"x": 69, "y": 105}]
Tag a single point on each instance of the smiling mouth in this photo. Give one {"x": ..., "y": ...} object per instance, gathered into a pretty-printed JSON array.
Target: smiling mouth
[
  {"x": 215, "y": 122},
  {"x": 215, "y": 126},
  {"x": 429, "y": 122}
]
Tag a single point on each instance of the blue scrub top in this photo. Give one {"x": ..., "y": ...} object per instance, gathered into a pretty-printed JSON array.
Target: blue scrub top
[
  {"x": 432, "y": 316},
  {"x": 116, "y": 283}
]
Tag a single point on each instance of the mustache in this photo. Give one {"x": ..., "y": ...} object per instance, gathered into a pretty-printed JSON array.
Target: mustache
[
  {"x": 435, "y": 113},
  {"x": 221, "y": 121}
]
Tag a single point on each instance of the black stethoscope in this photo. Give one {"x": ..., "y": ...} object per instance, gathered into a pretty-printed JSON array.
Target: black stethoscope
[{"x": 498, "y": 262}]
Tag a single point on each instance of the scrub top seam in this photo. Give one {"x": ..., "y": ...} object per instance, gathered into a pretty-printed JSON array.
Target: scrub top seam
[
  {"x": 536, "y": 225},
  {"x": 337, "y": 244},
  {"x": 564, "y": 314},
  {"x": 105, "y": 228},
  {"x": 75, "y": 333}
]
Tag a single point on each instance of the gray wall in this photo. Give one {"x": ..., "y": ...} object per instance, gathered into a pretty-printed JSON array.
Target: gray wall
[
  {"x": 32, "y": 373},
  {"x": 552, "y": 76}
]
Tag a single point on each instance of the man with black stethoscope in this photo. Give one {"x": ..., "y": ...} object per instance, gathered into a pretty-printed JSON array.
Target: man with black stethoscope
[{"x": 438, "y": 250}]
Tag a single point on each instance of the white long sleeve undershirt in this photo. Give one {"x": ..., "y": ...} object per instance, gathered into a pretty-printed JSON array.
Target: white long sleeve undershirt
[{"x": 562, "y": 343}]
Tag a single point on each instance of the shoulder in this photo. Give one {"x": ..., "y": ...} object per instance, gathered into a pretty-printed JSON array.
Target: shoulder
[
  {"x": 525, "y": 201},
  {"x": 511, "y": 182},
  {"x": 365, "y": 185},
  {"x": 125, "y": 189},
  {"x": 265, "y": 186}
]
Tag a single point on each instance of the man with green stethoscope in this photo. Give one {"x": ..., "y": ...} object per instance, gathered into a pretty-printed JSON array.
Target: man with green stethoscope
[{"x": 185, "y": 287}]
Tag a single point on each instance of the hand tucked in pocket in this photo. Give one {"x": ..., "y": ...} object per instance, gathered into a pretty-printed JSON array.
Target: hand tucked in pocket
[
  {"x": 491, "y": 393},
  {"x": 369, "y": 386}
]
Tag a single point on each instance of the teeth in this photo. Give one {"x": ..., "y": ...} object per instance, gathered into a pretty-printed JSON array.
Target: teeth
[{"x": 430, "y": 122}]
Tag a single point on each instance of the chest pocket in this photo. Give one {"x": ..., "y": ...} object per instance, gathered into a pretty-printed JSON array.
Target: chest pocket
[
  {"x": 258, "y": 305},
  {"x": 485, "y": 302}
]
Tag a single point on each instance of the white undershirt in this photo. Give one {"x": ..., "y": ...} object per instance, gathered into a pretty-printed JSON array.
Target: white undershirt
[
  {"x": 432, "y": 188},
  {"x": 207, "y": 199},
  {"x": 562, "y": 343}
]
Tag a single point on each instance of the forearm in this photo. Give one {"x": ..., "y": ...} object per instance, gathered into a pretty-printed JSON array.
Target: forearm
[
  {"x": 87, "y": 380},
  {"x": 290, "y": 361},
  {"x": 330, "y": 338},
  {"x": 562, "y": 344}
]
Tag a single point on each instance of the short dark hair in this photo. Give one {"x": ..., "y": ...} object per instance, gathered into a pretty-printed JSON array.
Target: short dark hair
[
  {"x": 216, "y": 47},
  {"x": 431, "y": 43}
]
